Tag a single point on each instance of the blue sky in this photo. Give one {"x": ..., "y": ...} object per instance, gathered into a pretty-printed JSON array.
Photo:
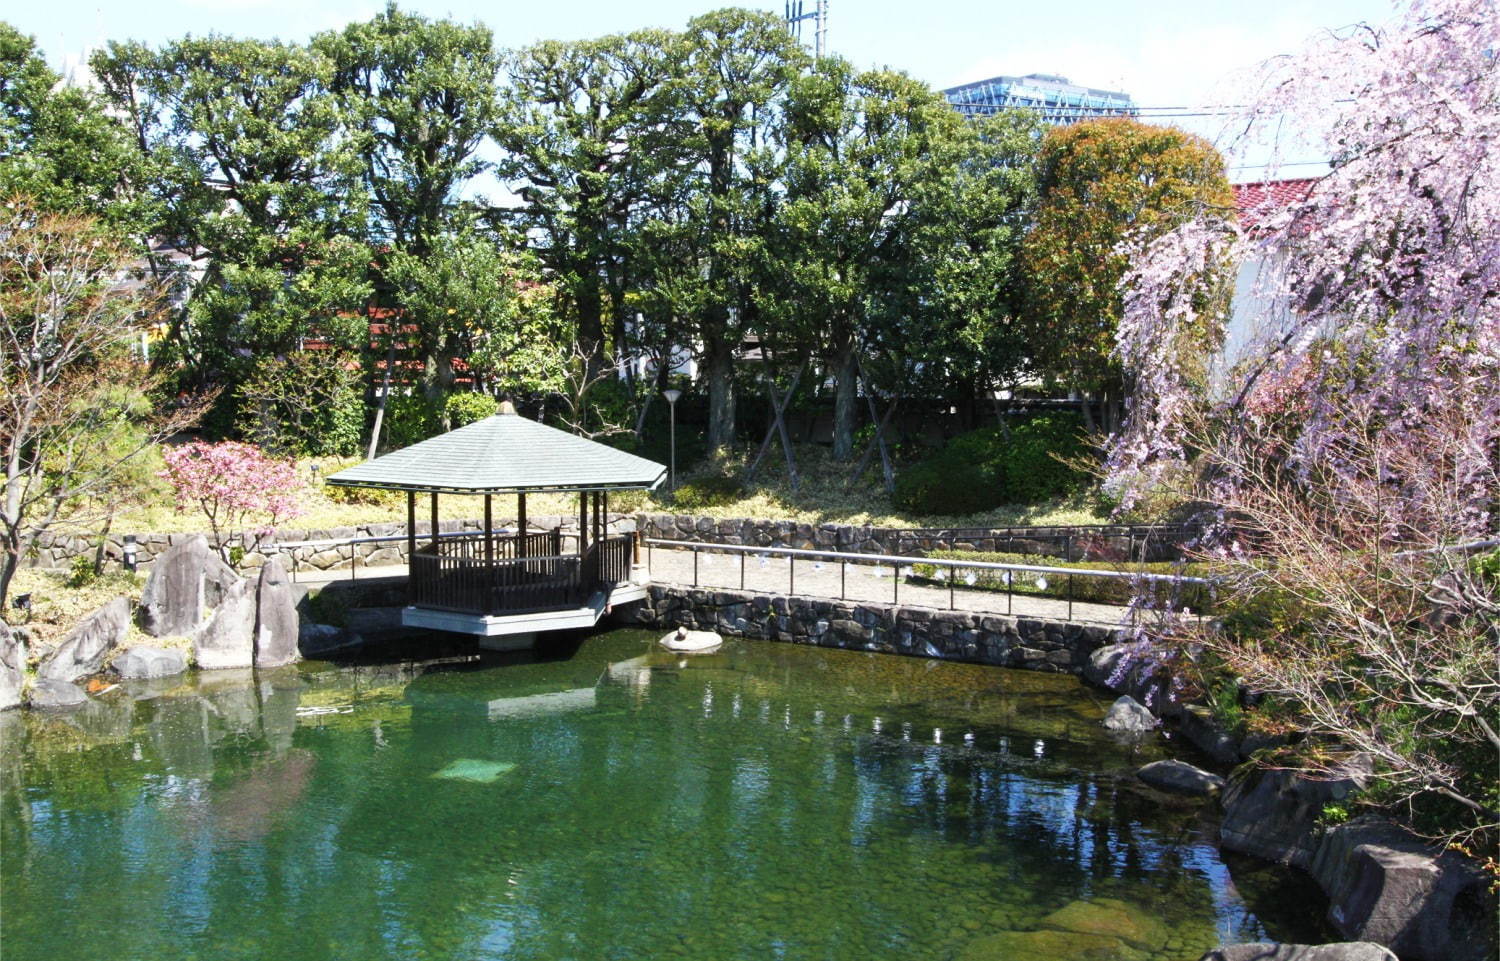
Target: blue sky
[{"x": 1174, "y": 53}]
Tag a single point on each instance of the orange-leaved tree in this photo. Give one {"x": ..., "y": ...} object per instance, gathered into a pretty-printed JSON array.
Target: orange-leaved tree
[{"x": 1103, "y": 182}]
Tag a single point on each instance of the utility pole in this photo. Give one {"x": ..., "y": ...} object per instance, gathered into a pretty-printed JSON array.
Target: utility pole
[{"x": 796, "y": 14}]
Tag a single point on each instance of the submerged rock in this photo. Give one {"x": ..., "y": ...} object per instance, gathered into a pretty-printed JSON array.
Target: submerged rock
[
  {"x": 1109, "y": 917},
  {"x": 83, "y": 651},
  {"x": 1180, "y": 777},
  {"x": 1049, "y": 945},
  {"x": 1128, "y": 714},
  {"x": 1267, "y": 951},
  {"x": 145, "y": 662}
]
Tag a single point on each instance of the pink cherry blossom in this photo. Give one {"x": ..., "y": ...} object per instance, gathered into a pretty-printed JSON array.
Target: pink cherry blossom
[{"x": 239, "y": 488}]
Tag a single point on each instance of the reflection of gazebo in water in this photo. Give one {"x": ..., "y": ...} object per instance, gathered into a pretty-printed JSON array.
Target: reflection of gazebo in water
[{"x": 512, "y": 585}]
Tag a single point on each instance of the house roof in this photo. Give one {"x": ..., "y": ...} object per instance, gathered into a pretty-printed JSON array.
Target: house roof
[
  {"x": 504, "y": 453},
  {"x": 1258, "y": 202}
]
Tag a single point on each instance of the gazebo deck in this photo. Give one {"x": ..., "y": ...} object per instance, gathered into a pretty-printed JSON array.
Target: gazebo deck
[
  {"x": 519, "y": 584},
  {"x": 506, "y": 575}
]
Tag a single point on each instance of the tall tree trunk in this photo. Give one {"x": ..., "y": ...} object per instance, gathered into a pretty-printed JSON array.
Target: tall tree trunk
[
  {"x": 591, "y": 326},
  {"x": 845, "y": 401},
  {"x": 718, "y": 369}
]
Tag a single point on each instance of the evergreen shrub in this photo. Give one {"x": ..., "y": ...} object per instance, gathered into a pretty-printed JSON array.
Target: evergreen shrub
[
  {"x": 468, "y": 407},
  {"x": 986, "y": 468},
  {"x": 308, "y": 403}
]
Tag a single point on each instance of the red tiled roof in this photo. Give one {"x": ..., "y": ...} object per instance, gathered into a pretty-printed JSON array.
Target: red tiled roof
[{"x": 1259, "y": 201}]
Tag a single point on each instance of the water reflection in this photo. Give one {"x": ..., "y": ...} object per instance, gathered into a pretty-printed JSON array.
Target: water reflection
[{"x": 765, "y": 800}]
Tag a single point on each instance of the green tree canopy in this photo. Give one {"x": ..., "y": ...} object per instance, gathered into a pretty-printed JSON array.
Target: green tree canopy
[
  {"x": 258, "y": 182},
  {"x": 58, "y": 145}
]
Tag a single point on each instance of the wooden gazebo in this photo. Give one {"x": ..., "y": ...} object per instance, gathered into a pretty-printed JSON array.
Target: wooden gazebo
[{"x": 519, "y": 583}]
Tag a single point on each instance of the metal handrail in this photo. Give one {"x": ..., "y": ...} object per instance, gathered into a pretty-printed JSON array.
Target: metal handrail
[
  {"x": 898, "y": 559},
  {"x": 896, "y": 562}
]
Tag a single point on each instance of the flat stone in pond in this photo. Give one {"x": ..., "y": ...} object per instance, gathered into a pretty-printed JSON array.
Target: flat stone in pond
[
  {"x": 684, "y": 641},
  {"x": 475, "y": 770},
  {"x": 49, "y": 693},
  {"x": 1180, "y": 778},
  {"x": 144, "y": 661}
]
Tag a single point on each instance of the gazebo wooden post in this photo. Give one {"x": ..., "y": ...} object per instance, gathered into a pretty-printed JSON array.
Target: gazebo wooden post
[
  {"x": 520, "y": 523},
  {"x": 411, "y": 528},
  {"x": 583, "y": 522},
  {"x": 489, "y": 537},
  {"x": 434, "y": 525}
]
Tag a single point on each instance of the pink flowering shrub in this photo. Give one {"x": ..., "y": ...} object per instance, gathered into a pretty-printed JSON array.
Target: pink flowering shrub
[
  {"x": 1391, "y": 259},
  {"x": 1351, "y": 464},
  {"x": 238, "y": 487}
]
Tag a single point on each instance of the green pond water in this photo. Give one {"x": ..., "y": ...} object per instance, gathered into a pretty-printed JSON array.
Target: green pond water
[{"x": 604, "y": 800}]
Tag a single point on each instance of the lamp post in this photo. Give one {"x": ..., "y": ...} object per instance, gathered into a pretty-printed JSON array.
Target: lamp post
[
  {"x": 672, "y": 394},
  {"x": 130, "y": 551}
]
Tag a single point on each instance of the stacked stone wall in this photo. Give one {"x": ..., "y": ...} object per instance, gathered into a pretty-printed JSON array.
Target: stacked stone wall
[
  {"x": 1101, "y": 543},
  {"x": 1019, "y": 642}
]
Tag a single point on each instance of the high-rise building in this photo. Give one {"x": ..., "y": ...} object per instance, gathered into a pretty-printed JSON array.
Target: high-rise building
[{"x": 1054, "y": 97}]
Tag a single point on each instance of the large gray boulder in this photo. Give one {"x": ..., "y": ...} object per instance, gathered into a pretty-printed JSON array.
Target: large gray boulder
[
  {"x": 146, "y": 662},
  {"x": 1127, "y": 714},
  {"x": 12, "y": 667},
  {"x": 1273, "y": 813},
  {"x": 1180, "y": 778},
  {"x": 1110, "y": 667},
  {"x": 228, "y": 639},
  {"x": 276, "y": 621},
  {"x": 83, "y": 651},
  {"x": 49, "y": 693},
  {"x": 1385, "y": 885},
  {"x": 1265, "y": 951},
  {"x": 187, "y": 582}
]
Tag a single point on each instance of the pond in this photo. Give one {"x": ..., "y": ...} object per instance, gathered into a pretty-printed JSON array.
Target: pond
[{"x": 604, "y": 799}]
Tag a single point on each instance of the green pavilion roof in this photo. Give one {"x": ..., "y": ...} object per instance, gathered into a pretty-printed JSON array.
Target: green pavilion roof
[{"x": 505, "y": 452}]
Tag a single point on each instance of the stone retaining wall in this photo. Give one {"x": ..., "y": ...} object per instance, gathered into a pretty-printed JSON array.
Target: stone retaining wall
[
  {"x": 1061, "y": 542},
  {"x": 891, "y": 629},
  {"x": 58, "y": 550}
]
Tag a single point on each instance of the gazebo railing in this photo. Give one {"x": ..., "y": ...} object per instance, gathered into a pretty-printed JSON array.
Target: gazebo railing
[{"x": 458, "y": 577}]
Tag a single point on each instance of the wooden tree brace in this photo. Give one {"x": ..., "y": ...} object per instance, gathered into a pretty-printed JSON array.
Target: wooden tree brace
[{"x": 778, "y": 427}]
